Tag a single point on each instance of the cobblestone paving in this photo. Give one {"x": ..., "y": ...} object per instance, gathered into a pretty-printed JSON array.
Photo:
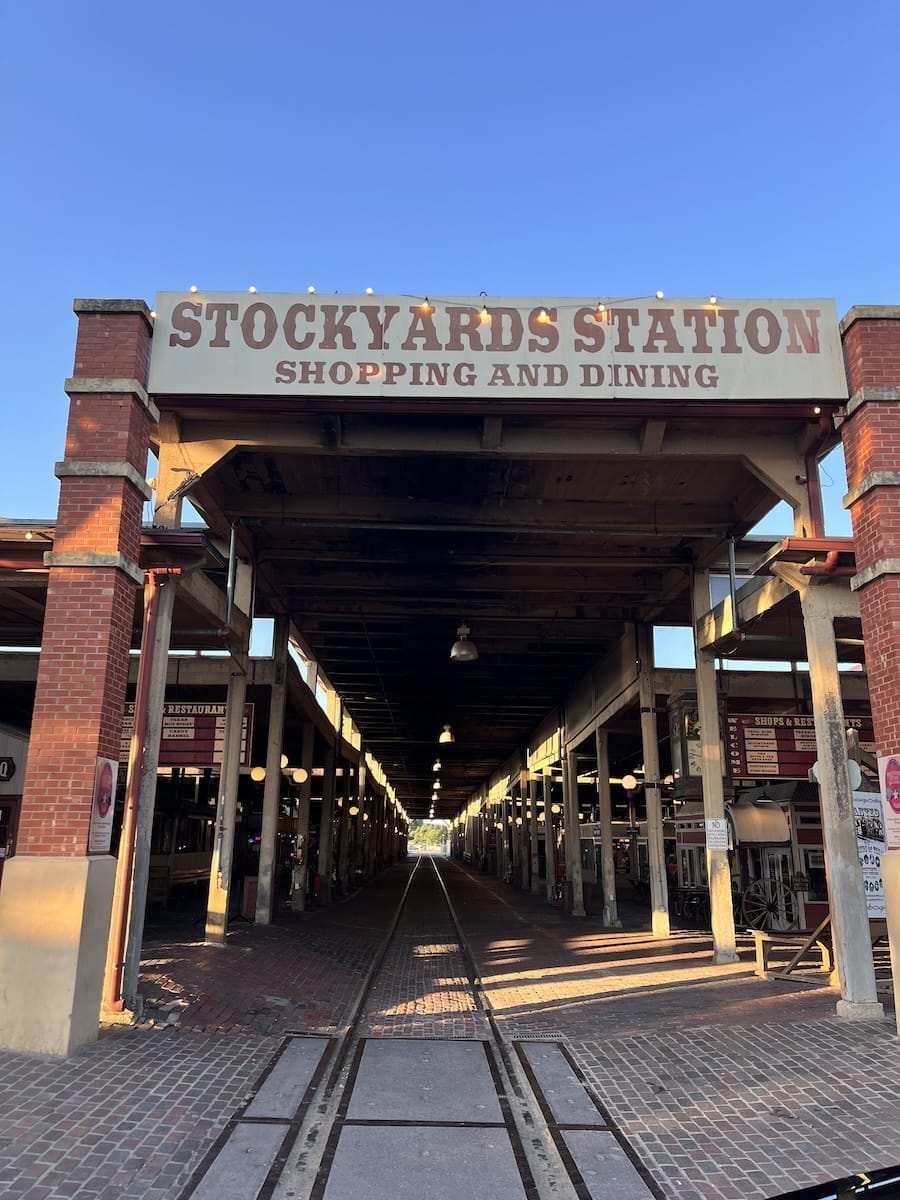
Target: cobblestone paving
[
  {"x": 261, "y": 982},
  {"x": 726, "y": 1085},
  {"x": 130, "y": 1115},
  {"x": 739, "y": 1112},
  {"x": 423, "y": 991}
]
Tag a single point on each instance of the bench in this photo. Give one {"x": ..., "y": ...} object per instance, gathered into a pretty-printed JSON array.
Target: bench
[
  {"x": 768, "y": 940},
  {"x": 167, "y": 873}
]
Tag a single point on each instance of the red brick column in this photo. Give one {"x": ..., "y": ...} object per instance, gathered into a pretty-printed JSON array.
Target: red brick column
[
  {"x": 871, "y": 437},
  {"x": 94, "y": 573}
]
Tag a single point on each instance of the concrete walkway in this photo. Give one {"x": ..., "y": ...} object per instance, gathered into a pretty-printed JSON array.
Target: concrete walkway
[{"x": 721, "y": 1084}]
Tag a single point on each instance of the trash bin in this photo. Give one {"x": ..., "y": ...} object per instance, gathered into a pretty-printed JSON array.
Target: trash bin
[{"x": 248, "y": 897}]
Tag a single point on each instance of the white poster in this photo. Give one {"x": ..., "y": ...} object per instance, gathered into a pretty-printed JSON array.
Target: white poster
[
  {"x": 889, "y": 777},
  {"x": 100, "y": 833},
  {"x": 870, "y": 839},
  {"x": 716, "y": 833}
]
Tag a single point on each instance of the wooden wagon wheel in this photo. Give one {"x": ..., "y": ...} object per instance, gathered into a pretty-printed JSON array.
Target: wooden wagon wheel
[{"x": 770, "y": 904}]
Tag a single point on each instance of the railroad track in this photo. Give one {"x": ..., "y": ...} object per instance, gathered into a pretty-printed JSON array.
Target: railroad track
[{"x": 420, "y": 1095}]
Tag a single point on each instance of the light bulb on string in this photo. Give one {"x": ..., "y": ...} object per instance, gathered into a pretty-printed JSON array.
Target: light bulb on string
[
  {"x": 425, "y": 306},
  {"x": 660, "y": 295}
]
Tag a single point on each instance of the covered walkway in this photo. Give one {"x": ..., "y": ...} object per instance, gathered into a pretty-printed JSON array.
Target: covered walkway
[{"x": 718, "y": 1084}]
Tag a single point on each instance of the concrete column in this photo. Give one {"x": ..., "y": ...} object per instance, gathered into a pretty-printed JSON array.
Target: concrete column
[
  {"x": 344, "y": 822},
  {"x": 515, "y": 840},
  {"x": 359, "y": 800},
  {"x": 273, "y": 785},
  {"x": 607, "y": 851},
  {"x": 226, "y": 809},
  {"x": 501, "y": 814},
  {"x": 890, "y": 873},
  {"x": 524, "y": 834},
  {"x": 549, "y": 839},
  {"x": 533, "y": 828},
  {"x": 301, "y": 871},
  {"x": 847, "y": 900},
  {"x": 659, "y": 894},
  {"x": 573, "y": 833},
  {"x": 326, "y": 831},
  {"x": 370, "y": 832},
  {"x": 718, "y": 870},
  {"x": 384, "y": 854}
]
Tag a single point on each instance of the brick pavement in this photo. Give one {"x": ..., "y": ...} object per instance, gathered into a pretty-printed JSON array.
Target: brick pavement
[{"x": 726, "y": 1085}]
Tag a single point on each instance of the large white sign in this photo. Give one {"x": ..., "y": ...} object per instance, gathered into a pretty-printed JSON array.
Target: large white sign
[{"x": 243, "y": 344}]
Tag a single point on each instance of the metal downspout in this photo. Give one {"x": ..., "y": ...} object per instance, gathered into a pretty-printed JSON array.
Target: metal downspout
[
  {"x": 828, "y": 567},
  {"x": 113, "y": 999}
]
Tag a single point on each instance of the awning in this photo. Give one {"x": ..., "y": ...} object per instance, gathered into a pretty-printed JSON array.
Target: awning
[{"x": 762, "y": 823}]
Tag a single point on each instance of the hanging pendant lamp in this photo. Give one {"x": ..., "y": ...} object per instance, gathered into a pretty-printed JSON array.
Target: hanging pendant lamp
[{"x": 463, "y": 650}]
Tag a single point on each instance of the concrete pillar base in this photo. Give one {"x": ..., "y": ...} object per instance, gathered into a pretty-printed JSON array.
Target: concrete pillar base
[
  {"x": 54, "y": 928},
  {"x": 722, "y": 957},
  {"x": 611, "y": 920},
  {"x": 660, "y": 923},
  {"x": 125, "y": 1016},
  {"x": 860, "y": 1010}
]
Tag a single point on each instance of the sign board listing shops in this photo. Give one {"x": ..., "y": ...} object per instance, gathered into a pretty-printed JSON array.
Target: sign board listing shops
[
  {"x": 193, "y": 734},
  {"x": 767, "y": 745},
  {"x": 237, "y": 344}
]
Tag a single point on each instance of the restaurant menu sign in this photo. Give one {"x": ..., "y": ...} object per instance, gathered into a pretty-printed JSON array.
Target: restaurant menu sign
[
  {"x": 781, "y": 747},
  {"x": 651, "y": 349},
  {"x": 193, "y": 735}
]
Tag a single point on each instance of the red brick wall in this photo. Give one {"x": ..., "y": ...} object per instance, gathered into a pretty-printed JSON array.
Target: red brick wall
[
  {"x": 871, "y": 438},
  {"x": 90, "y": 610}
]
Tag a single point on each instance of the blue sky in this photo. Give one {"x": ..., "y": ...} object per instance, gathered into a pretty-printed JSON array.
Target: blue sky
[{"x": 529, "y": 149}]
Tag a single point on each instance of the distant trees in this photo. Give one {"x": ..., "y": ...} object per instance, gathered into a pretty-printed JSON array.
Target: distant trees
[{"x": 429, "y": 833}]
